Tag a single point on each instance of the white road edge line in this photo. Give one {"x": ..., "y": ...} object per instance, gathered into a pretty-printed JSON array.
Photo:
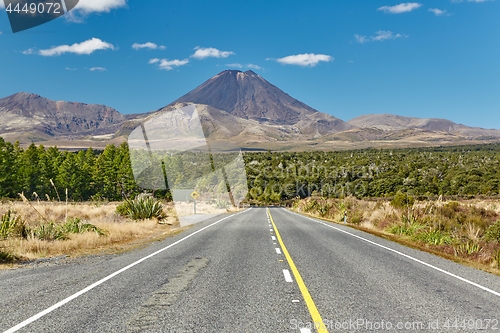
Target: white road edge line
[
  {"x": 305, "y": 330},
  {"x": 278, "y": 250},
  {"x": 288, "y": 277},
  {"x": 405, "y": 255},
  {"x": 92, "y": 286},
  {"x": 273, "y": 238}
]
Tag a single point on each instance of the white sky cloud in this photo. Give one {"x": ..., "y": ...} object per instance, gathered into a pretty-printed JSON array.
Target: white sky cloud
[
  {"x": 380, "y": 36},
  {"x": 86, "y": 47},
  {"x": 438, "y": 12},
  {"x": 305, "y": 59},
  {"x": 401, "y": 8},
  {"x": 99, "y": 6},
  {"x": 148, "y": 45},
  {"x": 98, "y": 69},
  {"x": 361, "y": 39},
  {"x": 210, "y": 52},
  {"x": 235, "y": 65},
  {"x": 29, "y": 51},
  {"x": 168, "y": 64},
  {"x": 2, "y": 4},
  {"x": 251, "y": 66}
]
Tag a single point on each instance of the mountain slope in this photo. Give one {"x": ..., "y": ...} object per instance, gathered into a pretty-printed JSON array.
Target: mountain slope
[
  {"x": 247, "y": 95},
  {"x": 395, "y": 123},
  {"x": 25, "y": 112}
]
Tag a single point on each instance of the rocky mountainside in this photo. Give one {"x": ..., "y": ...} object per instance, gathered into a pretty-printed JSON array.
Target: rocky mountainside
[
  {"x": 391, "y": 123},
  {"x": 44, "y": 118},
  {"x": 234, "y": 107},
  {"x": 249, "y": 96}
]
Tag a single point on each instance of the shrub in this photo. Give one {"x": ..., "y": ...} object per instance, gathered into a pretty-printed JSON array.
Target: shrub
[
  {"x": 409, "y": 229},
  {"x": 467, "y": 248},
  {"x": 448, "y": 210},
  {"x": 493, "y": 232},
  {"x": 323, "y": 208},
  {"x": 76, "y": 226},
  {"x": 6, "y": 257},
  {"x": 48, "y": 232},
  {"x": 435, "y": 237},
  {"x": 402, "y": 200},
  {"x": 12, "y": 225},
  {"x": 141, "y": 208}
]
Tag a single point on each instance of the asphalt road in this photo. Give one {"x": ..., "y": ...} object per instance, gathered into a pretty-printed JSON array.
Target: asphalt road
[{"x": 251, "y": 272}]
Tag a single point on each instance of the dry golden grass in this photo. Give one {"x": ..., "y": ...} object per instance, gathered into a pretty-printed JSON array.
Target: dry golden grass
[
  {"x": 121, "y": 233},
  {"x": 461, "y": 225}
]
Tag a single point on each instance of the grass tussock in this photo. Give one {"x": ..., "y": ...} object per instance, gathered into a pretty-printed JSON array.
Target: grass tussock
[
  {"x": 141, "y": 208},
  {"x": 468, "y": 231},
  {"x": 87, "y": 229}
]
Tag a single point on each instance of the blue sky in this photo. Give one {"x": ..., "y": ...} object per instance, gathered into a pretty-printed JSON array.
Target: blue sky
[{"x": 438, "y": 58}]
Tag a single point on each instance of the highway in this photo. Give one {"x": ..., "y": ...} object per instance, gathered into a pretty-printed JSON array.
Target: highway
[{"x": 259, "y": 270}]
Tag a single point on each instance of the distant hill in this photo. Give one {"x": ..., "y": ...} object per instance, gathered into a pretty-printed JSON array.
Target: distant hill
[
  {"x": 234, "y": 107},
  {"x": 389, "y": 122},
  {"x": 44, "y": 119}
]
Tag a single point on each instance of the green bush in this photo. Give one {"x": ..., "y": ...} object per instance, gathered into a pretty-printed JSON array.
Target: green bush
[
  {"x": 409, "y": 229},
  {"x": 467, "y": 248},
  {"x": 402, "y": 200},
  {"x": 48, "y": 232},
  {"x": 493, "y": 232},
  {"x": 141, "y": 208},
  {"x": 435, "y": 237},
  {"x": 12, "y": 225},
  {"x": 52, "y": 231},
  {"x": 76, "y": 226}
]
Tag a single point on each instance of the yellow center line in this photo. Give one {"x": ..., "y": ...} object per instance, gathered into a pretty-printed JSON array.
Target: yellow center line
[{"x": 313, "y": 310}]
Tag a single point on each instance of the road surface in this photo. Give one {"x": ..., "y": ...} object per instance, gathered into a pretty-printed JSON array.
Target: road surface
[{"x": 260, "y": 270}]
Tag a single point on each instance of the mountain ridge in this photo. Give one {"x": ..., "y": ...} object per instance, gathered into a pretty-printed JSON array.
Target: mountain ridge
[{"x": 236, "y": 106}]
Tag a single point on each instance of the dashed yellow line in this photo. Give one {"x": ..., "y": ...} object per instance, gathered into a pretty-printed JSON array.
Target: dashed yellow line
[{"x": 313, "y": 310}]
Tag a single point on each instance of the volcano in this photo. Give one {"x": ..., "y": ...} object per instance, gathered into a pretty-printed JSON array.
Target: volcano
[{"x": 249, "y": 96}]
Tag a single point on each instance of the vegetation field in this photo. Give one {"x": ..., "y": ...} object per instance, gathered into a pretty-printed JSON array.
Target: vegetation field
[
  {"x": 33, "y": 230},
  {"x": 446, "y": 199},
  {"x": 465, "y": 231}
]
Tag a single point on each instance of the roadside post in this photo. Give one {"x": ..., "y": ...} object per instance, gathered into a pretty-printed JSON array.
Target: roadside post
[{"x": 195, "y": 196}]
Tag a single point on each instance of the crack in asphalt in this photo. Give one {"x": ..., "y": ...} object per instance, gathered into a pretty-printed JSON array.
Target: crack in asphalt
[{"x": 148, "y": 313}]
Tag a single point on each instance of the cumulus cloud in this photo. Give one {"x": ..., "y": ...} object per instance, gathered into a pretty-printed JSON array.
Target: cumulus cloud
[
  {"x": 361, "y": 39},
  {"x": 29, "y": 51},
  {"x": 148, "y": 45},
  {"x": 401, "y": 8},
  {"x": 86, "y": 47},
  {"x": 168, "y": 64},
  {"x": 438, "y": 12},
  {"x": 251, "y": 66},
  {"x": 380, "y": 36},
  {"x": 98, "y": 69},
  {"x": 305, "y": 59},
  {"x": 99, "y": 6},
  {"x": 210, "y": 52}
]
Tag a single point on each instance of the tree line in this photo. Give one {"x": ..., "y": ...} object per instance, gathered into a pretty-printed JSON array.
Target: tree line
[
  {"x": 43, "y": 174},
  {"x": 107, "y": 174}
]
